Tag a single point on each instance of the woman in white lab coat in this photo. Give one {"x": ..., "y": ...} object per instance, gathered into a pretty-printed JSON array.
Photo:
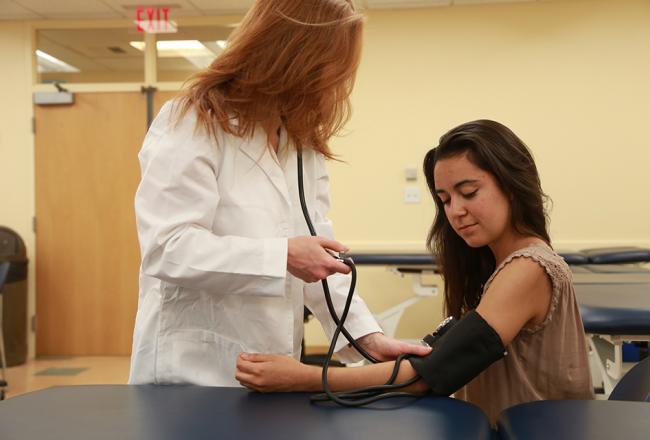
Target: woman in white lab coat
[{"x": 227, "y": 261}]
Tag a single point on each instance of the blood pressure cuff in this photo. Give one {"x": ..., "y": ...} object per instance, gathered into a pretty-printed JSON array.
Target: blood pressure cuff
[{"x": 461, "y": 349}]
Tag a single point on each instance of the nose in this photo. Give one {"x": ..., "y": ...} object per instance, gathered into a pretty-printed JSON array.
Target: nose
[{"x": 456, "y": 208}]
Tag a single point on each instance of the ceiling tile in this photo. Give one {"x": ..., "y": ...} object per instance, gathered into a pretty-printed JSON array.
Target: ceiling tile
[
  {"x": 130, "y": 64},
  {"x": 397, "y": 4},
  {"x": 9, "y": 10},
  {"x": 215, "y": 7},
  {"x": 483, "y": 2},
  {"x": 69, "y": 8}
]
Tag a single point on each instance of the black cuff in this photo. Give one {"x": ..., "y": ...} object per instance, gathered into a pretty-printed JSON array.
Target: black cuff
[{"x": 461, "y": 350}]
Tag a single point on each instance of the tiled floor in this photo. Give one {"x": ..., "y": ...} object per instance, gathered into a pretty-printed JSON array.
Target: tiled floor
[{"x": 46, "y": 372}]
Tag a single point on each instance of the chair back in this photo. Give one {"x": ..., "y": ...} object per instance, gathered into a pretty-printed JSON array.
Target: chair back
[
  {"x": 635, "y": 385},
  {"x": 4, "y": 271}
]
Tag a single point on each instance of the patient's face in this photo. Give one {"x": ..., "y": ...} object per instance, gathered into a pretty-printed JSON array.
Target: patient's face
[{"x": 476, "y": 207}]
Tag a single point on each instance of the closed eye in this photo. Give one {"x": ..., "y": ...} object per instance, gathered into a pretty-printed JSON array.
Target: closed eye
[{"x": 471, "y": 194}]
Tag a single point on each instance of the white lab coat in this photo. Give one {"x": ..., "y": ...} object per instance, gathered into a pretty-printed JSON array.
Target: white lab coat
[{"x": 213, "y": 221}]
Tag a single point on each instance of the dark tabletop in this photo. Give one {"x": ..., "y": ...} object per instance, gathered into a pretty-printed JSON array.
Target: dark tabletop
[
  {"x": 121, "y": 412},
  {"x": 576, "y": 420}
]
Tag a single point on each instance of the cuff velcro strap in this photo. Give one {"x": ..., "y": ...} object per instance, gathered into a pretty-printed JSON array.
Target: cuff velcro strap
[{"x": 466, "y": 348}]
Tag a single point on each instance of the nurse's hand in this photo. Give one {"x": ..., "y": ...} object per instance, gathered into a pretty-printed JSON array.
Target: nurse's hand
[
  {"x": 308, "y": 260},
  {"x": 273, "y": 372},
  {"x": 383, "y": 348}
]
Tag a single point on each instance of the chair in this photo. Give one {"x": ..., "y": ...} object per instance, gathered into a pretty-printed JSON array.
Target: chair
[
  {"x": 4, "y": 271},
  {"x": 635, "y": 385}
]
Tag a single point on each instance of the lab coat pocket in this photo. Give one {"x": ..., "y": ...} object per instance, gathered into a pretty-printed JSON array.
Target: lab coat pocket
[{"x": 199, "y": 357}]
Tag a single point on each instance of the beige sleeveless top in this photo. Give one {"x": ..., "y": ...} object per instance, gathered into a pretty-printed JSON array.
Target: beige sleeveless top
[{"x": 546, "y": 362}]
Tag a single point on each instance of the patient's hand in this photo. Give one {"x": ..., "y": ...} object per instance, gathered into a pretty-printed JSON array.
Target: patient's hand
[{"x": 272, "y": 372}]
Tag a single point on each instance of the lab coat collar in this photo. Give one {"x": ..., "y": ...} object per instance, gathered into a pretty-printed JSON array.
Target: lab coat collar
[{"x": 258, "y": 151}]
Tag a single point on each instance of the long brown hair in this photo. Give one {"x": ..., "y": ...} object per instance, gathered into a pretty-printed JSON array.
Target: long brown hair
[
  {"x": 290, "y": 59},
  {"x": 494, "y": 148}
]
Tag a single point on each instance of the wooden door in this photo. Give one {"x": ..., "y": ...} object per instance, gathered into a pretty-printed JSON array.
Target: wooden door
[
  {"x": 87, "y": 255},
  {"x": 160, "y": 98}
]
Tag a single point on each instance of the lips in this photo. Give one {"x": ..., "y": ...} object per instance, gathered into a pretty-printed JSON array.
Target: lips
[{"x": 465, "y": 227}]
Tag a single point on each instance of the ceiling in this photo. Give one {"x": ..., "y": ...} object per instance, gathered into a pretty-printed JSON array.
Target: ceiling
[
  {"x": 116, "y": 9},
  {"x": 108, "y": 50}
]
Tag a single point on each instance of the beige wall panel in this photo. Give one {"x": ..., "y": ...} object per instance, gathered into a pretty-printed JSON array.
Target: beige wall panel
[
  {"x": 87, "y": 252},
  {"x": 16, "y": 145}
]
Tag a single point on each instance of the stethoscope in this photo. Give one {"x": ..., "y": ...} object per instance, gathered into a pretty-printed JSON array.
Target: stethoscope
[{"x": 359, "y": 396}]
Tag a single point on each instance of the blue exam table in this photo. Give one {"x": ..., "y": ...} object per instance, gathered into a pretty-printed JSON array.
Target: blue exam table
[{"x": 612, "y": 314}]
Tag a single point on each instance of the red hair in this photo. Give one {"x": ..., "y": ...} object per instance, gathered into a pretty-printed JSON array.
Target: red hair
[{"x": 290, "y": 59}]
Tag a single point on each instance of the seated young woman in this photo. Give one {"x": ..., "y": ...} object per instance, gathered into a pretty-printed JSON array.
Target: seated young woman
[{"x": 518, "y": 335}]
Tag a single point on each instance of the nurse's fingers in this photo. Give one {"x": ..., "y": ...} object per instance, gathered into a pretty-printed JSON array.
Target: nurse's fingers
[
  {"x": 334, "y": 266},
  {"x": 418, "y": 350},
  {"x": 333, "y": 245},
  {"x": 312, "y": 258},
  {"x": 337, "y": 267}
]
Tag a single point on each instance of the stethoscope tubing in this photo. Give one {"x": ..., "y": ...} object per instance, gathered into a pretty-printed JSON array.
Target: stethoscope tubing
[{"x": 360, "y": 396}]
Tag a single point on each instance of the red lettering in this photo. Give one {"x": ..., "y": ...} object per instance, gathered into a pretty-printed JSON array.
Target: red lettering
[
  {"x": 151, "y": 25},
  {"x": 157, "y": 19},
  {"x": 166, "y": 15},
  {"x": 138, "y": 18}
]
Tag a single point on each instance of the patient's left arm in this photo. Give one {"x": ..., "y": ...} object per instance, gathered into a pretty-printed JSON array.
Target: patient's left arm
[{"x": 273, "y": 373}]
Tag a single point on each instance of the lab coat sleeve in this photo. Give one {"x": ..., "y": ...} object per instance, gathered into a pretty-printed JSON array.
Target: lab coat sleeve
[
  {"x": 175, "y": 205},
  {"x": 360, "y": 321}
]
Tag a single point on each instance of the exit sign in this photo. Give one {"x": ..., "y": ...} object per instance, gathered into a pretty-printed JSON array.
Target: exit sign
[{"x": 154, "y": 20}]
